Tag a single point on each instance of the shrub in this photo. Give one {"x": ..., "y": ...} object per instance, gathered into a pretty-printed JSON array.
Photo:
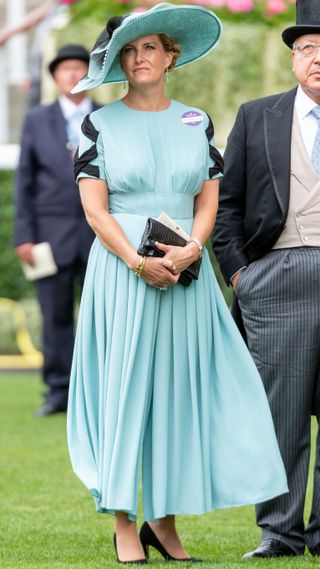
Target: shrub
[{"x": 12, "y": 282}]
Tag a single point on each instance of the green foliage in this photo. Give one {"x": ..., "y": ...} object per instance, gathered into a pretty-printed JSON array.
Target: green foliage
[
  {"x": 48, "y": 519},
  {"x": 259, "y": 15},
  {"x": 12, "y": 282},
  {"x": 100, "y": 10}
]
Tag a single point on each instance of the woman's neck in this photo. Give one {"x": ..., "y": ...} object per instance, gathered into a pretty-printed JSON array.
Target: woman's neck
[{"x": 146, "y": 99}]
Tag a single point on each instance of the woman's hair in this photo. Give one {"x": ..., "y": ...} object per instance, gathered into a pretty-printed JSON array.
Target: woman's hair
[{"x": 168, "y": 44}]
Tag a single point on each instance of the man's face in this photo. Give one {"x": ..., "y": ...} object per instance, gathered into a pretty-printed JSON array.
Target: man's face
[
  {"x": 68, "y": 73},
  {"x": 306, "y": 64}
]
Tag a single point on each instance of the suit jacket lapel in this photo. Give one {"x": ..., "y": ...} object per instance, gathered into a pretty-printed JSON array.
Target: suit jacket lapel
[
  {"x": 277, "y": 132},
  {"x": 58, "y": 125}
]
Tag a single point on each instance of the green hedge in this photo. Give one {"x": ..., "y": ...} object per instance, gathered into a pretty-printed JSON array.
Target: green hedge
[{"x": 12, "y": 282}]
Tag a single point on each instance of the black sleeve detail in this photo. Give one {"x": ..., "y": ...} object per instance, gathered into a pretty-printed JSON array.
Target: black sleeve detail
[
  {"x": 81, "y": 163},
  {"x": 213, "y": 152},
  {"x": 89, "y": 130}
]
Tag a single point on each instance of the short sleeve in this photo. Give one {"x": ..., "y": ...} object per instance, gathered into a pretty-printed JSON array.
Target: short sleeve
[
  {"x": 89, "y": 157},
  {"x": 215, "y": 160}
]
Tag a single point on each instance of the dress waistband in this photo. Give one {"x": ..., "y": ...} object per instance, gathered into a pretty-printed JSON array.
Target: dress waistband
[{"x": 178, "y": 206}]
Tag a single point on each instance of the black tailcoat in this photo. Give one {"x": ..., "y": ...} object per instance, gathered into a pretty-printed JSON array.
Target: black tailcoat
[{"x": 254, "y": 192}]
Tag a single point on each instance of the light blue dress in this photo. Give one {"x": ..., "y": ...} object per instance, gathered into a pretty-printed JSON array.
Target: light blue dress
[{"x": 162, "y": 380}]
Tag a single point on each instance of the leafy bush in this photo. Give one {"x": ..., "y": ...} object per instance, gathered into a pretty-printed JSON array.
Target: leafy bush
[
  {"x": 12, "y": 282},
  {"x": 270, "y": 12}
]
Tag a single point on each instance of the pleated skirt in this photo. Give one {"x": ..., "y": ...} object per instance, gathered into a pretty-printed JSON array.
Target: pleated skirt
[{"x": 163, "y": 387}]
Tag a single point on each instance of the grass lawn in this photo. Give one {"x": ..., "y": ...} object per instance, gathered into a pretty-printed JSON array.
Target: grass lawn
[{"x": 48, "y": 519}]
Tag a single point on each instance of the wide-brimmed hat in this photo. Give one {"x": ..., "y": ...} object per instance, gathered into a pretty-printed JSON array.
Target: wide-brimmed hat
[
  {"x": 307, "y": 21},
  {"x": 194, "y": 28},
  {"x": 69, "y": 51}
]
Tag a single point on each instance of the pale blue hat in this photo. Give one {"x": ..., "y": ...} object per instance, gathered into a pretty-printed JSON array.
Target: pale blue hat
[{"x": 194, "y": 28}]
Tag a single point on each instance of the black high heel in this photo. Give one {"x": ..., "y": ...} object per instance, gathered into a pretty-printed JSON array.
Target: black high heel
[
  {"x": 135, "y": 562},
  {"x": 149, "y": 538}
]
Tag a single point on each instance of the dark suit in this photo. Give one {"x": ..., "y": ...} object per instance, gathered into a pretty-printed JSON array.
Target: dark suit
[
  {"x": 48, "y": 208},
  {"x": 254, "y": 195},
  {"x": 281, "y": 330}
]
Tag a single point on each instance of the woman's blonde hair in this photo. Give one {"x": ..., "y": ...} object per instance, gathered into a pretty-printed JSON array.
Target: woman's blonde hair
[{"x": 169, "y": 44}]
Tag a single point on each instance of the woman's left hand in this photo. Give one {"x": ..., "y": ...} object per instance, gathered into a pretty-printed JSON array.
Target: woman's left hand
[{"x": 177, "y": 259}]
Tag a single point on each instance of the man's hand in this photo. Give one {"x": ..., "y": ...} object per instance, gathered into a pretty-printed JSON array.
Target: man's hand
[
  {"x": 24, "y": 252},
  {"x": 235, "y": 278}
]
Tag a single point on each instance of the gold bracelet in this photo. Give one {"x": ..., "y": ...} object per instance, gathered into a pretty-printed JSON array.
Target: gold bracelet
[{"x": 139, "y": 268}]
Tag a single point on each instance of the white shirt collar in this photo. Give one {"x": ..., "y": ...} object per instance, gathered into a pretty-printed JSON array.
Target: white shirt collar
[
  {"x": 303, "y": 103},
  {"x": 68, "y": 107}
]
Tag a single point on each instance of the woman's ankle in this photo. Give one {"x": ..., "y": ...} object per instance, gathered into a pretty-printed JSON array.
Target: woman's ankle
[
  {"x": 166, "y": 524},
  {"x": 123, "y": 524}
]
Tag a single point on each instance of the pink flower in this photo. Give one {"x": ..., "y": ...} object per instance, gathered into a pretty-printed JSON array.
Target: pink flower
[
  {"x": 240, "y": 5},
  {"x": 216, "y": 3},
  {"x": 275, "y": 7}
]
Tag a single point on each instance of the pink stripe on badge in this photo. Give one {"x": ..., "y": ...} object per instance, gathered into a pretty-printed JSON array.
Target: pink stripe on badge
[{"x": 192, "y": 118}]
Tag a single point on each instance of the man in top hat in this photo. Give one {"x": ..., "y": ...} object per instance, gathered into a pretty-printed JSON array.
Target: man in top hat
[
  {"x": 267, "y": 241},
  {"x": 48, "y": 209}
]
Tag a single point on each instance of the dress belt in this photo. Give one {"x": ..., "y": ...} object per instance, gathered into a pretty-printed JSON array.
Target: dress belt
[{"x": 177, "y": 206}]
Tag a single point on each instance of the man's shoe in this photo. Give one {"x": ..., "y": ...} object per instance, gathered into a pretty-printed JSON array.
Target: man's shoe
[
  {"x": 315, "y": 550},
  {"x": 50, "y": 409},
  {"x": 271, "y": 548}
]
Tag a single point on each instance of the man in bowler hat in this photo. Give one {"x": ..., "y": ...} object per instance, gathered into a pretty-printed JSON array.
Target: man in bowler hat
[
  {"x": 267, "y": 241},
  {"x": 48, "y": 209}
]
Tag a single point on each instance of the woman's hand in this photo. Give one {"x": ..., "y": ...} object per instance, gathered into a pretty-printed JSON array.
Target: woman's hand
[
  {"x": 177, "y": 259},
  {"x": 156, "y": 274}
]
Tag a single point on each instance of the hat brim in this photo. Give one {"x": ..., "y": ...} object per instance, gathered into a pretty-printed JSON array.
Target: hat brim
[
  {"x": 289, "y": 35},
  {"x": 196, "y": 29},
  {"x": 55, "y": 62}
]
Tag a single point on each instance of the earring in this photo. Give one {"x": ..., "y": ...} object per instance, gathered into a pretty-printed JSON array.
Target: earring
[{"x": 166, "y": 74}]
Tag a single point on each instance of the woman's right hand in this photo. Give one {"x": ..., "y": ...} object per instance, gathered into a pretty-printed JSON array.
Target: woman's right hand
[{"x": 155, "y": 274}]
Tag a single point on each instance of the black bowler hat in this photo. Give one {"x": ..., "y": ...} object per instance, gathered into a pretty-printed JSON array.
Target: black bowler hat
[
  {"x": 69, "y": 51},
  {"x": 307, "y": 21}
]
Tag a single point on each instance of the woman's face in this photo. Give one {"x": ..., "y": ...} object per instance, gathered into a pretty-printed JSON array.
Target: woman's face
[{"x": 144, "y": 60}]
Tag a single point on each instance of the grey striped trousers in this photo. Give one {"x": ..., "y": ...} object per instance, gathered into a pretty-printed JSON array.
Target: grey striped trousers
[{"x": 279, "y": 297}]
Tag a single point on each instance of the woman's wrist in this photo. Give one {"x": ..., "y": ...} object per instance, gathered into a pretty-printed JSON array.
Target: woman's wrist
[
  {"x": 133, "y": 261},
  {"x": 140, "y": 267},
  {"x": 193, "y": 247},
  {"x": 198, "y": 244}
]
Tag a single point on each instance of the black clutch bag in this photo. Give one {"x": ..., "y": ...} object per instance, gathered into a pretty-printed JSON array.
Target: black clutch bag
[{"x": 157, "y": 231}]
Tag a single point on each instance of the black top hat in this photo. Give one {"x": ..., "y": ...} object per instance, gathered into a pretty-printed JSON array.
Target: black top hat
[
  {"x": 308, "y": 21},
  {"x": 69, "y": 51}
]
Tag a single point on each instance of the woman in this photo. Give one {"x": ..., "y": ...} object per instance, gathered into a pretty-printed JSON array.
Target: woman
[{"x": 161, "y": 377}]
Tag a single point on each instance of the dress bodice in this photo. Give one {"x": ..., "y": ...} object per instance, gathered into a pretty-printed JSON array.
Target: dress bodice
[{"x": 139, "y": 153}]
